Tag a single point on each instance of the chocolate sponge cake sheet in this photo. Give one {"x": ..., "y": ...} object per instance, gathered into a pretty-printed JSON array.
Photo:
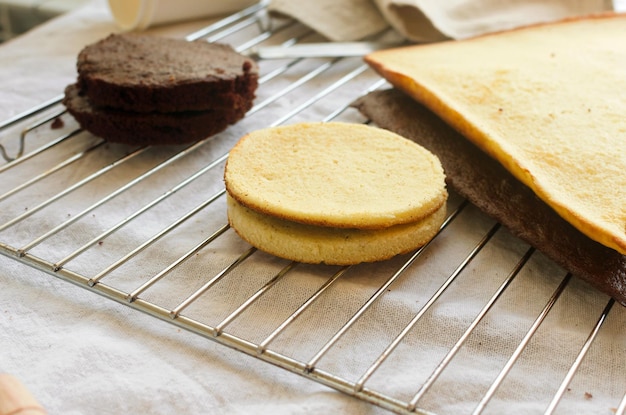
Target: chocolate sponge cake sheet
[{"x": 485, "y": 183}]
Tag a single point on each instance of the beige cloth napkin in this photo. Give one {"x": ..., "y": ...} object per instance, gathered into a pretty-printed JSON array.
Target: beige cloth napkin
[
  {"x": 338, "y": 20},
  {"x": 426, "y": 20}
]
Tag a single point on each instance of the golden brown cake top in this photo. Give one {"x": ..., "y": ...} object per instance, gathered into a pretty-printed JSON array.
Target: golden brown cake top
[
  {"x": 546, "y": 101},
  {"x": 335, "y": 174}
]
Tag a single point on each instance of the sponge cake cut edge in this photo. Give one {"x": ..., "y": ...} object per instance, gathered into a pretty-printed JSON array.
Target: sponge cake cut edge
[{"x": 332, "y": 246}]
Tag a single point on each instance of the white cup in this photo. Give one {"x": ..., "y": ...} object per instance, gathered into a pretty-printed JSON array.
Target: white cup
[{"x": 141, "y": 14}]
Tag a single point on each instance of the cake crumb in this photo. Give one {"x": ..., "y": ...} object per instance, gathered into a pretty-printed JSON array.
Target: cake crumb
[{"x": 57, "y": 123}]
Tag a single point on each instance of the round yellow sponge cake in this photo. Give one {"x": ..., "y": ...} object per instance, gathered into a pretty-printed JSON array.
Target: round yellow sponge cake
[{"x": 336, "y": 193}]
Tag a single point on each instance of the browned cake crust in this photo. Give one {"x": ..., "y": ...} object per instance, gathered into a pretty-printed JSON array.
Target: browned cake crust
[
  {"x": 147, "y": 128},
  {"x": 489, "y": 186},
  {"x": 144, "y": 73}
]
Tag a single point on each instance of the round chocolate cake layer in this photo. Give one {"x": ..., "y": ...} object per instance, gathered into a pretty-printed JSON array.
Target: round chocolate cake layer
[
  {"x": 143, "y": 73},
  {"x": 147, "y": 128}
]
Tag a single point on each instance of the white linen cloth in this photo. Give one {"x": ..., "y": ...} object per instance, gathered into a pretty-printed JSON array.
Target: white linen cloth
[
  {"x": 79, "y": 353},
  {"x": 428, "y": 21}
]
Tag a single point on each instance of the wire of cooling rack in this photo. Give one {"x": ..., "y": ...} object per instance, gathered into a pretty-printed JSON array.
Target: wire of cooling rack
[{"x": 31, "y": 249}]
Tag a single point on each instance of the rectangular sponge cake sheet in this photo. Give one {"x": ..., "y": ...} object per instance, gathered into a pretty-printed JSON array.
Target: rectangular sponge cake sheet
[{"x": 546, "y": 101}]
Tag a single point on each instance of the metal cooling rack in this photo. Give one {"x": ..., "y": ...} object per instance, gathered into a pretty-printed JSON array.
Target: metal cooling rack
[{"x": 31, "y": 229}]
